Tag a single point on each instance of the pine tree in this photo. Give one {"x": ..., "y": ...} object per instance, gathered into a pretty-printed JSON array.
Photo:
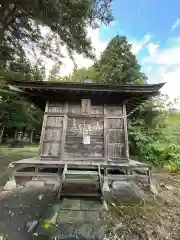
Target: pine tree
[{"x": 118, "y": 64}]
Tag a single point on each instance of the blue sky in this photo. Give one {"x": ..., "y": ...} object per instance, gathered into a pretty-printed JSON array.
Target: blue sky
[
  {"x": 137, "y": 17},
  {"x": 153, "y": 28}
]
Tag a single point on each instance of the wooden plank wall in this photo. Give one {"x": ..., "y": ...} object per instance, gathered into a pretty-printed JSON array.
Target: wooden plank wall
[
  {"x": 74, "y": 146},
  {"x": 52, "y": 137},
  {"x": 114, "y": 137},
  {"x": 63, "y": 125}
]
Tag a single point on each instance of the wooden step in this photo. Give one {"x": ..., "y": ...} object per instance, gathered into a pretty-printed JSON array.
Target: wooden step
[
  {"x": 81, "y": 180},
  {"x": 68, "y": 194},
  {"x": 79, "y": 172}
]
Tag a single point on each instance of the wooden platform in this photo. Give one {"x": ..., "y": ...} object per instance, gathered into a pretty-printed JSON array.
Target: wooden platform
[
  {"x": 35, "y": 162},
  {"x": 80, "y": 172}
]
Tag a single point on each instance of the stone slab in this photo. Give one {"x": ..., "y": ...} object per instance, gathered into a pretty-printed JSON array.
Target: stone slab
[{"x": 35, "y": 184}]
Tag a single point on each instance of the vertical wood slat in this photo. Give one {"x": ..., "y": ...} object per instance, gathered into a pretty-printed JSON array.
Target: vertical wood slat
[
  {"x": 126, "y": 132},
  {"x": 86, "y": 106},
  {"x": 105, "y": 135},
  {"x": 66, "y": 106},
  {"x": 52, "y": 148},
  {"x": 47, "y": 106},
  {"x": 43, "y": 130},
  {"x": 63, "y": 136}
]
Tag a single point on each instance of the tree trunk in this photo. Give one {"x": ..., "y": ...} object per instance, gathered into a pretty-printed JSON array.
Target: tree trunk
[
  {"x": 1, "y": 133},
  {"x": 15, "y": 135},
  {"x": 7, "y": 18},
  {"x": 31, "y": 137}
]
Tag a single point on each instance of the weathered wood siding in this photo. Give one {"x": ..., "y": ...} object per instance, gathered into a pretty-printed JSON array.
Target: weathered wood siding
[
  {"x": 51, "y": 143},
  {"x": 74, "y": 146},
  {"x": 62, "y": 134},
  {"x": 114, "y": 132}
]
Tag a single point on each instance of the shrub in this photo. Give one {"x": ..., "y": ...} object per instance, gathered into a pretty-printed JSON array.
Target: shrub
[{"x": 172, "y": 156}]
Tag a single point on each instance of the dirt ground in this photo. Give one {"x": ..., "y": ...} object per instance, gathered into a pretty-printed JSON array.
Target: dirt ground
[
  {"x": 153, "y": 217},
  {"x": 18, "y": 208},
  {"x": 150, "y": 217}
]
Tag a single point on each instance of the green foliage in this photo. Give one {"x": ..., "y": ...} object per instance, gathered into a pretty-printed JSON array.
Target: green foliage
[
  {"x": 172, "y": 156},
  {"x": 118, "y": 64},
  {"x": 147, "y": 133},
  {"x": 173, "y": 128},
  {"x": 40, "y": 28},
  {"x": 21, "y": 71},
  {"x": 154, "y": 137},
  {"x": 79, "y": 75},
  {"x": 65, "y": 23},
  {"x": 18, "y": 114},
  {"x": 173, "y": 166}
]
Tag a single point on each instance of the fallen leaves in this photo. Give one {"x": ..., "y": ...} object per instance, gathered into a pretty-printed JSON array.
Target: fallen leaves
[{"x": 40, "y": 197}]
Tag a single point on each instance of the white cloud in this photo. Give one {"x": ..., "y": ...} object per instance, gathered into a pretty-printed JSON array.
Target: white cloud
[
  {"x": 152, "y": 48},
  {"x": 168, "y": 56},
  {"x": 165, "y": 67},
  {"x": 67, "y": 64},
  {"x": 99, "y": 46},
  {"x": 138, "y": 45},
  {"x": 172, "y": 85},
  {"x": 149, "y": 69},
  {"x": 160, "y": 65},
  {"x": 175, "y": 24}
]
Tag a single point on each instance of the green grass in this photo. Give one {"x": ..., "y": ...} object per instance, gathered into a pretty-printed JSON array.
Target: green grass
[
  {"x": 8, "y": 155},
  {"x": 29, "y": 147},
  {"x": 173, "y": 128}
]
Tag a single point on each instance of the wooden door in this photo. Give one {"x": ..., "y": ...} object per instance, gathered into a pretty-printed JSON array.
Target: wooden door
[
  {"x": 114, "y": 138},
  {"x": 52, "y": 136},
  {"x": 74, "y": 145}
]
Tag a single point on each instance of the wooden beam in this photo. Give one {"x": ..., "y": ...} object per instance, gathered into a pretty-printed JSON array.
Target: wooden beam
[
  {"x": 43, "y": 130},
  {"x": 63, "y": 136},
  {"x": 115, "y": 117},
  {"x": 62, "y": 180},
  {"x": 34, "y": 174},
  {"x": 126, "y": 132},
  {"x": 66, "y": 106},
  {"x": 51, "y": 114},
  {"x": 112, "y": 177},
  {"x": 105, "y": 135}
]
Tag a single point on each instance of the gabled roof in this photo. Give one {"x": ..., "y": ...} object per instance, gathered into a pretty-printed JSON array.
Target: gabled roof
[{"x": 132, "y": 94}]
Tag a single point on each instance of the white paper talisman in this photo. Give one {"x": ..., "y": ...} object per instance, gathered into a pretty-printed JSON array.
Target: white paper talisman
[{"x": 86, "y": 139}]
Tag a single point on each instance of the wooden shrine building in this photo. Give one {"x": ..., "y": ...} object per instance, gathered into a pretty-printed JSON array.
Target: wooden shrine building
[{"x": 85, "y": 124}]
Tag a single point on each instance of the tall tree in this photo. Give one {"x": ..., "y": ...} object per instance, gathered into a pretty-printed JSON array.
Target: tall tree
[
  {"x": 21, "y": 24},
  {"x": 118, "y": 64},
  {"x": 81, "y": 74},
  {"x": 17, "y": 114}
]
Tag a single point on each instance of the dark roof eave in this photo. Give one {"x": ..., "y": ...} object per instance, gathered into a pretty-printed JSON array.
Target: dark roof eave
[
  {"x": 40, "y": 86},
  {"x": 133, "y": 95}
]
